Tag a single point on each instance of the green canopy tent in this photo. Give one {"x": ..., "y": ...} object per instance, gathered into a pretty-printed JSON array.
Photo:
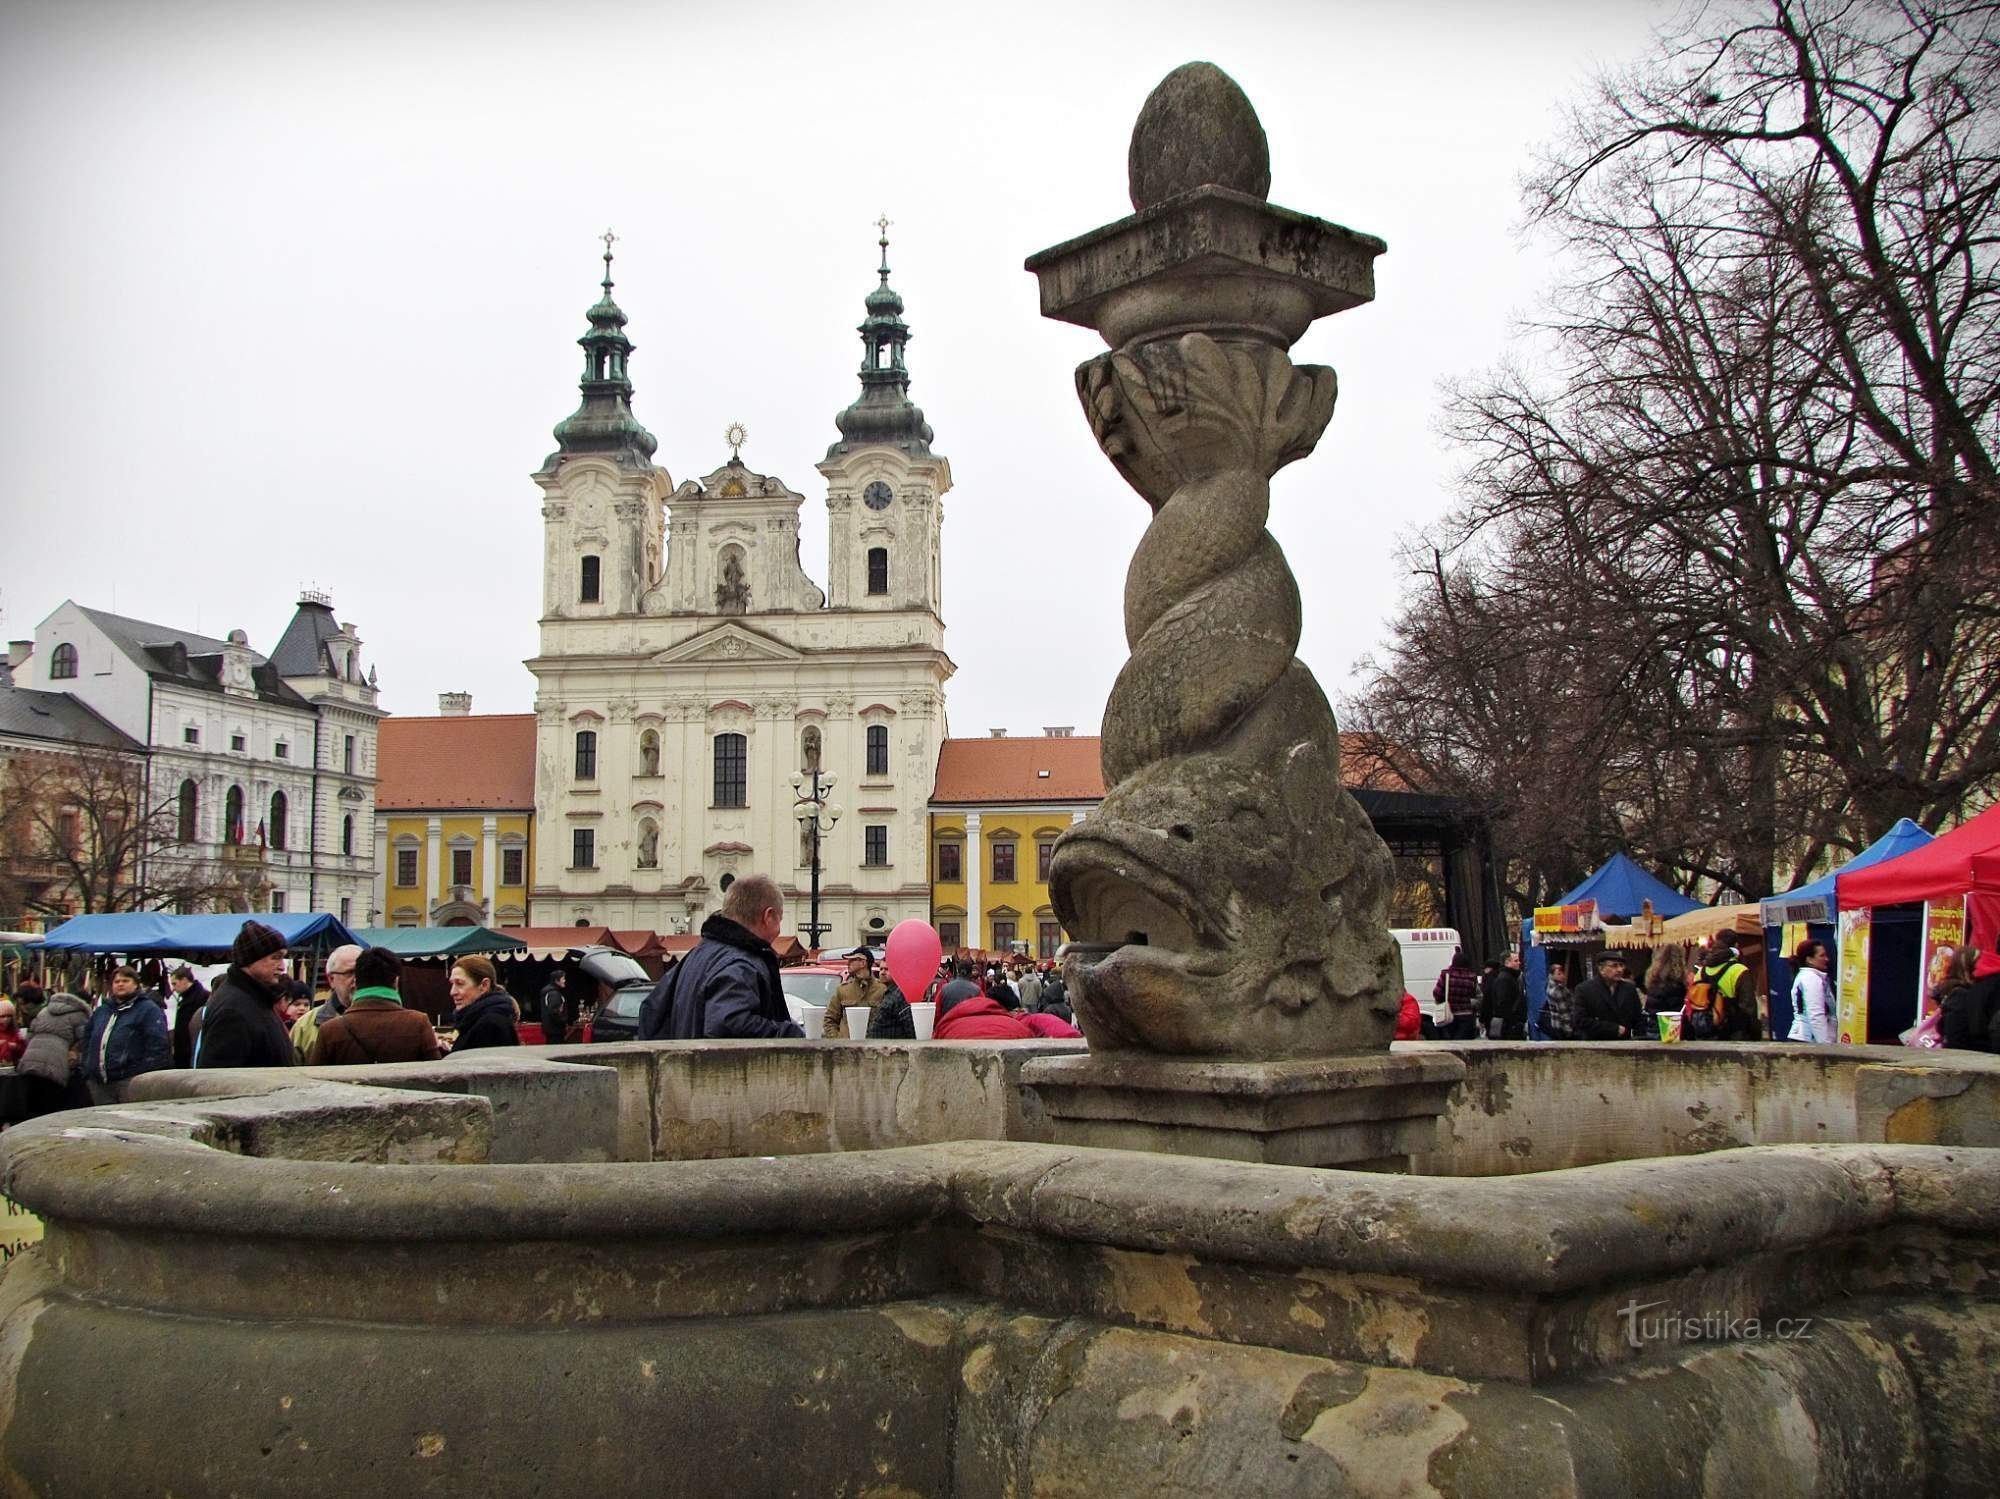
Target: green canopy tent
[{"x": 437, "y": 941}]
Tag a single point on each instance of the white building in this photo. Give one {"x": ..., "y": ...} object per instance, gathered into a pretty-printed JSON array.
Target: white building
[
  {"x": 689, "y": 669},
  {"x": 268, "y": 761}
]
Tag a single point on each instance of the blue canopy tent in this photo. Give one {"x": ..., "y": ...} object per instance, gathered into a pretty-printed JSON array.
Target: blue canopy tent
[
  {"x": 1621, "y": 889},
  {"x": 161, "y": 934},
  {"x": 1813, "y": 904}
]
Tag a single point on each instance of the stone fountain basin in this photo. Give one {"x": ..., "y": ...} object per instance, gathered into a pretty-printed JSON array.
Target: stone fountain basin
[{"x": 326, "y": 1286}]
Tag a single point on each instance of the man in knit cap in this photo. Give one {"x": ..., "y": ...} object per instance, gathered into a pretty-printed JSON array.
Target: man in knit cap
[{"x": 240, "y": 1026}]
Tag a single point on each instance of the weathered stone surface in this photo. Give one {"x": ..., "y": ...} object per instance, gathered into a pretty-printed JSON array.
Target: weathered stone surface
[
  {"x": 1197, "y": 129},
  {"x": 1231, "y": 898},
  {"x": 1324, "y": 1112}
]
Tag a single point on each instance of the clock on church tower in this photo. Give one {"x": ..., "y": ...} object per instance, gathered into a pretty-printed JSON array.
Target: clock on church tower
[{"x": 877, "y": 496}]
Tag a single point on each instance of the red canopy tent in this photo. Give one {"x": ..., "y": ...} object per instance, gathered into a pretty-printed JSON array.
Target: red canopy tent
[{"x": 1965, "y": 861}]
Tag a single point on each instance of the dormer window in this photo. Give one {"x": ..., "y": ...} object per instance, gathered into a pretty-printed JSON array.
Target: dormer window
[{"x": 62, "y": 663}]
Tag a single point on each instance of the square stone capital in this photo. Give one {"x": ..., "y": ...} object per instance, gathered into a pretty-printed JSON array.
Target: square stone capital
[{"x": 1207, "y": 259}]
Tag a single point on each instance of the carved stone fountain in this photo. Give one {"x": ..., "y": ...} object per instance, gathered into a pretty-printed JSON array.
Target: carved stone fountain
[{"x": 1234, "y": 969}]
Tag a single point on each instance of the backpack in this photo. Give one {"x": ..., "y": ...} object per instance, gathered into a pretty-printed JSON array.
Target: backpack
[{"x": 1706, "y": 1014}]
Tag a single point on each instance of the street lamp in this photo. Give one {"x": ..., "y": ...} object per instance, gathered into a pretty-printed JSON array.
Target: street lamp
[{"x": 816, "y": 819}]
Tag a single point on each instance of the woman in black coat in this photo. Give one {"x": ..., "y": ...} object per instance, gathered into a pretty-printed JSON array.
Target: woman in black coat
[{"x": 486, "y": 1013}]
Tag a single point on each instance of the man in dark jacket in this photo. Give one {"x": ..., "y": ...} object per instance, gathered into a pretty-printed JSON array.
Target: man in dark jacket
[
  {"x": 727, "y": 988},
  {"x": 189, "y": 996},
  {"x": 240, "y": 1026},
  {"x": 891, "y": 1019},
  {"x": 127, "y": 1036},
  {"x": 554, "y": 1011},
  {"x": 1503, "y": 999},
  {"x": 1607, "y": 1006}
]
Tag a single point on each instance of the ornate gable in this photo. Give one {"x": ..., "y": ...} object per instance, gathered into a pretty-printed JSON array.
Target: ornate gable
[{"x": 727, "y": 642}]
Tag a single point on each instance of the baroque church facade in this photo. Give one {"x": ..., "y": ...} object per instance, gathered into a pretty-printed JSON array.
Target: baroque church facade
[{"x": 690, "y": 674}]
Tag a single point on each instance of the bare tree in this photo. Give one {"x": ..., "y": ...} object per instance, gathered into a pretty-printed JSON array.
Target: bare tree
[
  {"x": 1752, "y": 442},
  {"x": 84, "y": 831}
]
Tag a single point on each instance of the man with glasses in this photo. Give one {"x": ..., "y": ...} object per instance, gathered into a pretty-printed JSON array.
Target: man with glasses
[{"x": 340, "y": 980}]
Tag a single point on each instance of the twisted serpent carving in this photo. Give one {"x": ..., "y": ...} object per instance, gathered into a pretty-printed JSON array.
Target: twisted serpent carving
[{"x": 1247, "y": 889}]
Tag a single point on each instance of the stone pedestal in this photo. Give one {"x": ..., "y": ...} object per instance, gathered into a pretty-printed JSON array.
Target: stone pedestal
[{"x": 1369, "y": 1112}]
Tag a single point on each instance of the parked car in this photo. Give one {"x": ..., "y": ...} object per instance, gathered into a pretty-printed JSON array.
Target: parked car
[
  {"x": 812, "y": 983},
  {"x": 617, "y": 985}
]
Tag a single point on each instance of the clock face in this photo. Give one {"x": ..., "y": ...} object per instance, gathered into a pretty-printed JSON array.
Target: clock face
[{"x": 876, "y": 496}]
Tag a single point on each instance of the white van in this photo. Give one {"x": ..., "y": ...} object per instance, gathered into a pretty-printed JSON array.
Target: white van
[{"x": 1427, "y": 952}]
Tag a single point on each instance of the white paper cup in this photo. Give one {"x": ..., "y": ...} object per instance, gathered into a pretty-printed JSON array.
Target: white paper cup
[
  {"x": 797, "y": 1006},
  {"x": 856, "y": 1017},
  {"x": 923, "y": 1015},
  {"x": 813, "y": 1018}
]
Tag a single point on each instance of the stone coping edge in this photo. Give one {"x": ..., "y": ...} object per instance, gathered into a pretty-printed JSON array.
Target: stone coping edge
[{"x": 1548, "y": 1233}]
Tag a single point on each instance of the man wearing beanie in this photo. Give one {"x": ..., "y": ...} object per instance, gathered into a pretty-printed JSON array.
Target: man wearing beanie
[{"x": 240, "y": 1026}]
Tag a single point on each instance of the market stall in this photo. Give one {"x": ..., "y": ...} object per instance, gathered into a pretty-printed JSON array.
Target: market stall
[
  {"x": 1616, "y": 893},
  {"x": 1899, "y": 919},
  {"x": 162, "y": 934},
  {"x": 1808, "y": 912},
  {"x": 427, "y": 953}
]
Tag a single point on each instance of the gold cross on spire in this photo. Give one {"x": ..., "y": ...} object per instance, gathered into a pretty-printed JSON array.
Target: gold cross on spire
[
  {"x": 609, "y": 239},
  {"x": 883, "y": 224}
]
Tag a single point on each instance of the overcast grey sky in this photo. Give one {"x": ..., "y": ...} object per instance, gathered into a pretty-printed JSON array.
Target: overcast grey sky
[{"x": 290, "y": 292}]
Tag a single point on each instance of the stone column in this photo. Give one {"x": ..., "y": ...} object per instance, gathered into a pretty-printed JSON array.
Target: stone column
[
  {"x": 489, "y": 847},
  {"x": 434, "y": 858},
  {"x": 1229, "y": 899},
  {"x": 974, "y": 854}
]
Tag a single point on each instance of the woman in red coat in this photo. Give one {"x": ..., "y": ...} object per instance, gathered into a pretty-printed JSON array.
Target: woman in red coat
[
  {"x": 977, "y": 1017},
  {"x": 1410, "y": 1020}
]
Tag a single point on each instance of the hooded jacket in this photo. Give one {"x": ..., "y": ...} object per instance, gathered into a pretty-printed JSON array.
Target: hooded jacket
[
  {"x": 57, "y": 1027},
  {"x": 240, "y": 1025},
  {"x": 487, "y": 1021},
  {"x": 126, "y": 1039},
  {"x": 726, "y": 989}
]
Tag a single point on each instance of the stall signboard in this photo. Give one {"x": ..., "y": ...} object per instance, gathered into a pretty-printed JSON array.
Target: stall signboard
[
  {"x": 1568, "y": 921},
  {"x": 1852, "y": 991},
  {"x": 1944, "y": 934}
]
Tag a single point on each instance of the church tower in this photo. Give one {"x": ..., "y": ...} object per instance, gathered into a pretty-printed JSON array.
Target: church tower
[
  {"x": 884, "y": 484},
  {"x": 601, "y": 511}
]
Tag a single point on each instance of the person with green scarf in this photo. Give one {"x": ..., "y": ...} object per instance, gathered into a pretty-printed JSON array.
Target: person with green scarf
[{"x": 375, "y": 1027}]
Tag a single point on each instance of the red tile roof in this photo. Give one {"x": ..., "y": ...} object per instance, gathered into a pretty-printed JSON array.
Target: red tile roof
[
  {"x": 986, "y": 772},
  {"x": 476, "y": 764}
]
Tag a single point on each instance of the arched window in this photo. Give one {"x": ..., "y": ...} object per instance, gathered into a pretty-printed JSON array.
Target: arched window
[
  {"x": 347, "y": 834},
  {"x": 62, "y": 662},
  {"x": 878, "y": 749},
  {"x": 188, "y": 813},
  {"x": 588, "y": 586},
  {"x": 232, "y": 816},
  {"x": 732, "y": 771},
  {"x": 586, "y": 755},
  {"x": 878, "y": 569},
  {"x": 279, "y": 808},
  {"x": 649, "y": 753}
]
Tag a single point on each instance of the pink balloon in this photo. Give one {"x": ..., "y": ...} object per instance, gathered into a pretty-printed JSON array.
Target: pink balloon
[{"x": 913, "y": 956}]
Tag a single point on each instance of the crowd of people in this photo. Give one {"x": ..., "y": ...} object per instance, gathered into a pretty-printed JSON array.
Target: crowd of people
[{"x": 70, "y": 1050}]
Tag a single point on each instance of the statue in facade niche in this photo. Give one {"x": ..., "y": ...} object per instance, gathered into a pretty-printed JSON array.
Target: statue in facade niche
[
  {"x": 1229, "y": 897},
  {"x": 649, "y": 846},
  {"x": 732, "y": 592}
]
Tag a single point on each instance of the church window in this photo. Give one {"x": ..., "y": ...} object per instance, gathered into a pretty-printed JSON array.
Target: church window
[
  {"x": 949, "y": 869},
  {"x": 649, "y": 753},
  {"x": 875, "y": 845},
  {"x": 731, "y": 770},
  {"x": 190, "y": 807},
  {"x": 280, "y": 812},
  {"x": 878, "y": 569},
  {"x": 62, "y": 662},
  {"x": 586, "y": 755},
  {"x": 878, "y": 749},
  {"x": 1003, "y": 863},
  {"x": 347, "y": 834},
  {"x": 587, "y": 587},
  {"x": 347, "y": 753},
  {"x": 583, "y": 848}
]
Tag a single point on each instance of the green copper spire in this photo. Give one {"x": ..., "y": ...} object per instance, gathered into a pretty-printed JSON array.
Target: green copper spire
[
  {"x": 884, "y": 412},
  {"x": 604, "y": 423}
]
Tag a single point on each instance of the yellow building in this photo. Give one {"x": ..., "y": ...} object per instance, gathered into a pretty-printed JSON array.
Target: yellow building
[
  {"x": 454, "y": 818},
  {"x": 996, "y": 810}
]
